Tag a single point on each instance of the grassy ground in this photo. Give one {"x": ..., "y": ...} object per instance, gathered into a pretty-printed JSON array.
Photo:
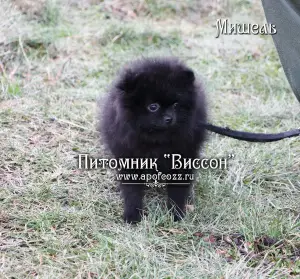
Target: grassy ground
[{"x": 60, "y": 222}]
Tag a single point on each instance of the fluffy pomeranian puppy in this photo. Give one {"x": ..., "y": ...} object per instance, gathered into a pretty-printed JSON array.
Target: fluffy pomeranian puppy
[{"x": 153, "y": 108}]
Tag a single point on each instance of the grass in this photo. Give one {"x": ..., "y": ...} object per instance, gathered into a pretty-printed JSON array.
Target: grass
[{"x": 57, "y": 221}]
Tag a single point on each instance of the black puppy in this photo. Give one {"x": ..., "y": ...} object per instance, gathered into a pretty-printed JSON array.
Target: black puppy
[{"x": 154, "y": 108}]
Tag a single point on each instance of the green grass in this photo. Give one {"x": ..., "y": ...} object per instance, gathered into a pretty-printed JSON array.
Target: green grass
[
  {"x": 60, "y": 222},
  {"x": 50, "y": 15}
]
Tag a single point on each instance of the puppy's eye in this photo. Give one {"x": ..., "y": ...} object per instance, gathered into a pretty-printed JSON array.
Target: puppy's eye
[{"x": 153, "y": 107}]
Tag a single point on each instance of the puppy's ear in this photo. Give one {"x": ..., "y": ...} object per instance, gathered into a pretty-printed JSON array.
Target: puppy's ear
[
  {"x": 183, "y": 77},
  {"x": 186, "y": 77},
  {"x": 129, "y": 81}
]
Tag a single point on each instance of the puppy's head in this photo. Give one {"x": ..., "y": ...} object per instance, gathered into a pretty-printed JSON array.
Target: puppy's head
[{"x": 157, "y": 93}]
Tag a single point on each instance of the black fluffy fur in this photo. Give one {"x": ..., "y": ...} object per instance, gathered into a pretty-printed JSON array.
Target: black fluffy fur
[{"x": 130, "y": 130}]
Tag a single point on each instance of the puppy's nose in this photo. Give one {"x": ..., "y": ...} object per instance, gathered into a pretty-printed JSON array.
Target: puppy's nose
[{"x": 168, "y": 119}]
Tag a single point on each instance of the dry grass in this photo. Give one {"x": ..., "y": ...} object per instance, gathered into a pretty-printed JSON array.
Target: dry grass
[{"x": 60, "y": 222}]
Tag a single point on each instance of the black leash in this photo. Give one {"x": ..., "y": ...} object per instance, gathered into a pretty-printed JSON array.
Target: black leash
[{"x": 252, "y": 137}]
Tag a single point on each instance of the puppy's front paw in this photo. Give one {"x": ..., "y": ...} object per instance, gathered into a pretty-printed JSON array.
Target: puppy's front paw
[
  {"x": 178, "y": 216},
  {"x": 132, "y": 216}
]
